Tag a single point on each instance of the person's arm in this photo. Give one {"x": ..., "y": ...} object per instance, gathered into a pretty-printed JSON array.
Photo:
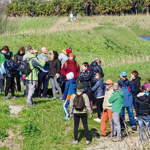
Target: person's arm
[
  {"x": 94, "y": 88},
  {"x": 58, "y": 67},
  {"x": 59, "y": 57},
  {"x": 137, "y": 87},
  {"x": 66, "y": 91},
  {"x": 38, "y": 64},
  {"x": 7, "y": 65},
  {"x": 15, "y": 53},
  {"x": 63, "y": 70},
  {"x": 132, "y": 88},
  {"x": 80, "y": 78},
  {"x": 89, "y": 75},
  {"x": 87, "y": 104},
  {"x": 99, "y": 68},
  {"x": 78, "y": 71},
  {"x": 15, "y": 58},
  {"x": 71, "y": 104},
  {"x": 113, "y": 98}
]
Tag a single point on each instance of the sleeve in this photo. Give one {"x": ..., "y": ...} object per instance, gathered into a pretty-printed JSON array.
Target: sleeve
[
  {"x": 95, "y": 87},
  {"x": 137, "y": 87},
  {"x": 80, "y": 77},
  {"x": 63, "y": 70},
  {"x": 7, "y": 65},
  {"x": 87, "y": 104},
  {"x": 15, "y": 53},
  {"x": 78, "y": 71},
  {"x": 71, "y": 104},
  {"x": 59, "y": 57},
  {"x": 89, "y": 75},
  {"x": 113, "y": 98},
  {"x": 36, "y": 63},
  {"x": 66, "y": 91},
  {"x": 58, "y": 67},
  {"x": 100, "y": 70},
  {"x": 132, "y": 88},
  {"x": 15, "y": 58}
]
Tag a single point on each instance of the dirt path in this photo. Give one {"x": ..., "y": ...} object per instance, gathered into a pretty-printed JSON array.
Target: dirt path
[{"x": 14, "y": 110}]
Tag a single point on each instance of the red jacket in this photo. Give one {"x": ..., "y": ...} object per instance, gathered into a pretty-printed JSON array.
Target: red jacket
[{"x": 67, "y": 68}]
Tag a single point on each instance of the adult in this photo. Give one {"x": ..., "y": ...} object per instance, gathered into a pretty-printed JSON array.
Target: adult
[
  {"x": 29, "y": 49},
  {"x": 54, "y": 72},
  {"x": 107, "y": 113},
  {"x": 42, "y": 76},
  {"x": 18, "y": 59},
  {"x": 128, "y": 89},
  {"x": 32, "y": 78},
  {"x": 74, "y": 16}
]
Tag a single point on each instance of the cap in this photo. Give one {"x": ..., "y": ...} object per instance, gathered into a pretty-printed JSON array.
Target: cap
[
  {"x": 109, "y": 82},
  {"x": 80, "y": 86},
  {"x": 147, "y": 85},
  {"x": 29, "y": 47},
  {"x": 123, "y": 73},
  {"x": 73, "y": 55},
  {"x": 68, "y": 51},
  {"x": 69, "y": 47}
]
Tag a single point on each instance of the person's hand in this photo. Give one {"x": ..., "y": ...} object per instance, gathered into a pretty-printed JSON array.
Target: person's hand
[
  {"x": 91, "y": 115},
  {"x": 71, "y": 116},
  {"x": 44, "y": 58},
  {"x": 57, "y": 75},
  {"x": 40, "y": 60}
]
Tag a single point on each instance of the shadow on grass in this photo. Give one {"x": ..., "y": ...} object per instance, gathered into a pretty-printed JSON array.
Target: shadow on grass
[{"x": 41, "y": 101}]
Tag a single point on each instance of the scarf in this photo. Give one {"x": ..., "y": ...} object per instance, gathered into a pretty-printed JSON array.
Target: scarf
[{"x": 72, "y": 62}]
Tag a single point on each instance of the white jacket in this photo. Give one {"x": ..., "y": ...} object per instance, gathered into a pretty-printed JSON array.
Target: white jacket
[{"x": 63, "y": 58}]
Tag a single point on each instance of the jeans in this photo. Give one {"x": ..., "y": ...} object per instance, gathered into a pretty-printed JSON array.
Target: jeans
[
  {"x": 131, "y": 117},
  {"x": 65, "y": 105},
  {"x": 10, "y": 83},
  {"x": 135, "y": 107},
  {"x": 99, "y": 104},
  {"x": 144, "y": 120},
  {"x": 2, "y": 85}
]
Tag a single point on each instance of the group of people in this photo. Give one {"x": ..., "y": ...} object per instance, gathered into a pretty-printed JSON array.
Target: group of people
[{"x": 78, "y": 89}]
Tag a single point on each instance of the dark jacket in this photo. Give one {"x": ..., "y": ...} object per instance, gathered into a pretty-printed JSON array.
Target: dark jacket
[
  {"x": 95, "y": 68},
  {"x": 54, "y": 65},
  {"x": 85, "y": 78},
  {"x": 136, "y": 83},
  {"x": 18, "y": 58},
  {"x": 143, "y": 104}
]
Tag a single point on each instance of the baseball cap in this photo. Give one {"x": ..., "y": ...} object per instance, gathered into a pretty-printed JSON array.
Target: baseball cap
[
  {"x": 123, "y": 73},
  {"x": 29, "y": 47},
  {"x": 109, "y": 82}
]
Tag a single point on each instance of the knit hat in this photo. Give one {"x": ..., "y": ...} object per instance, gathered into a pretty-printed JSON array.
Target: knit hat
[
  {"x": 69, "y": 47},
  {"x": 73, "y": 55},
  {"x": 70, "y": 75},
  {"x": 109, "y": 82},
  {"x": 8, "y": 55},
  {"x": 123, "y": 73},
  {"x": 68, "y": 51},
  {"x": 29, "y": 48},
  {"x": 147, "y": 85},
  {"x": 80, "y": 86}
]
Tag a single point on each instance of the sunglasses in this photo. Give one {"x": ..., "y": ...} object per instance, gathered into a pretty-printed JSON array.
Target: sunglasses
[{"x": 107, "y": 84}]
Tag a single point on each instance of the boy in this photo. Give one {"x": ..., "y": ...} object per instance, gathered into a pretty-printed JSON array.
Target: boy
[
  {"x": 143, "y": 109},
  {"x": 117, "y": 101},
  {"x": 70, "y": 88},
  {"x": 81, "y": 98}
]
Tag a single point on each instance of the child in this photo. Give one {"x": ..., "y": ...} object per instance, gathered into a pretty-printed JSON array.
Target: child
[
  {"x": 99, "y": 89},
  {"x": 70, "y": 88},
  {"x": 117, "y": 101},
  {"x": 11, "y": 68},
  {"x": 82, "y": 98},
  {"x": 136, "y": 83},
  {"x": 143, "y": 108},
  {"x": 147, "y": 88}
]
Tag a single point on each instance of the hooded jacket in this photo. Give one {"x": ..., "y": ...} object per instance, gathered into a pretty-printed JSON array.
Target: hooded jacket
[
  {"x": 63, "y": 58},
  {"x": 18, "y": 58},
  {"x": 95, "y": 68},
  {"x": 54, "y": 65},
  {"x": 117, "y": 101},
  {"x": 143, "y": 104}
]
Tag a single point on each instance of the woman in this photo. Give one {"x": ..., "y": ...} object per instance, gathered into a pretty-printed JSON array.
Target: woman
[
  {"x": 54, "y": 72},
  {"x": 18, "y": 59}
]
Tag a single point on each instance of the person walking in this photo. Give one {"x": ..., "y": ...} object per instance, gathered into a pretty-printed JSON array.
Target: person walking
[
  {"x": 74, "y": 16},
  {"x": 18, "y": 59},
  {"x": 43, "y": 74},
  {"x": 117, "y": 101},
  {"x": 54, "y": 73}
]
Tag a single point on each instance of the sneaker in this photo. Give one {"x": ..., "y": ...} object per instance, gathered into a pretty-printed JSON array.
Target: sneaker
[
  {"x": 116, "y": 140},
  {"x": 134, "y": 128},
  {"x": 67, "y": 118},
  {"x": 60, "y": 98},
  {"x": 14, "y": 97},
  {"x": 53, "y": 98},
  {"x": 75, "y": 142},
  {"x": 97, "y": 120},
  {"x": 6, "y": 98},
  {"x": 87, "y": 142}
]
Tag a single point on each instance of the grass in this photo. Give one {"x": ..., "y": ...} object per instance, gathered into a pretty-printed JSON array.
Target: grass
[{"x": 113, "y": 39}]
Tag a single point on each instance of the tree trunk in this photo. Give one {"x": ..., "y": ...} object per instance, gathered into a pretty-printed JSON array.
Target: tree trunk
[{"x": 136, "y": 11}]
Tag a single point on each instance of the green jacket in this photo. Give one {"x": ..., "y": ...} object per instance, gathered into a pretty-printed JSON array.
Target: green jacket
[
  {"x": 117, "y": 100},
  {"x": 2, "y": 57},
  {"x": 35, "y": 65}
]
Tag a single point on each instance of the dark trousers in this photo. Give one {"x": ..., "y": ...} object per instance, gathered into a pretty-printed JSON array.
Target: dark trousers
[
  {"x": 85, "y": 125},
  {"x": 18, "y": 81},
  {"x": 135, "y": 107},
  {"x": 42, "y": 79},
  {"x": 2, "y": 85},
  {"x": 10, "y": 84},
  {"x": 99, "y": 105}
]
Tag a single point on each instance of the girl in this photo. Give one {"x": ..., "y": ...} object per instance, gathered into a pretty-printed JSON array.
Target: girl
[{"x": 99, "y": 90}]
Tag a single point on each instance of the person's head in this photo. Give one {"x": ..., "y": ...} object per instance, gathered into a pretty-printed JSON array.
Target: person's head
[
  {"x": 8, "y": 55},
  {"x": 68, "y": 51},
  {"x": 80, "y": 87},
  {"x": 44, "y": 50},
  {"x": 98, "y": 76},
  {"x": 142, "y": 89},
  {"x": 29, "y": 48},
  {"x": 115, "y": 86},
  {"x": 51, "y": 55},
  {"x": 108, "y": 84},
  {"x": 123, "y": 75},
  {"x": 69, "y": 47},
  {"x": 35, "y": 52},
  {"x": 72, "y": 56},
  {"x": 5, "y": 49},
  {"x": 21, "y": 50},
  {"x": 134, "y": 74},
  {"x": 85, "y": 65},
  {"x": 147, "y": 86},
  {"x": 70, "y": 76},
  {"x": 98, "y": 61}
]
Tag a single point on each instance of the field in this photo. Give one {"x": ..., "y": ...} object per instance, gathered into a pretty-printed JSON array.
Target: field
[{"x": 113, "y": 39}]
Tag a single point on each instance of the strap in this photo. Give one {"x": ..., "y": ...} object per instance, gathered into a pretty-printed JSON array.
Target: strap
[{"x": 101, "y": 89}]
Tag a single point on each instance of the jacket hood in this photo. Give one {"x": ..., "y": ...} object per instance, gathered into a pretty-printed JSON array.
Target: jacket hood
[
  {"x": 138, "y": 78},
  {"x": 119, "y": 91},
  {"x": 141, "y": 97},
  {"x": 140, "y": 94},
  {"x": 55, "y": 54},
  {"x": 31, "y": 56},
  {"x": 8, "y": 55},
  {"x": 94, "y": 63},
  {"x": 70, "y": 76}
]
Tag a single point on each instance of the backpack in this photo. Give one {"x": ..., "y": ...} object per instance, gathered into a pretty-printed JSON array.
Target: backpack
[
  {"x": 79, "y": 103},
  {"x": 25, "y": 67}
]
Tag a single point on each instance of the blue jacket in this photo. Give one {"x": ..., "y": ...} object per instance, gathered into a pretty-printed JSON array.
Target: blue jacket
[
  {"x": 70, "y": 88},
  {"x": 95, "y": 68},
  {"x": 128, "y": 89},
  {"x": 99, "y": 88}
]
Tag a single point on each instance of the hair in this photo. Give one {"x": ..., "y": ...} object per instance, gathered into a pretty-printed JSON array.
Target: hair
[
  {"x": 86, "y": 64},
  {"x": 135, "y": 73},
  {"x": 97, "y": 60},
  {"x": 51, "y": 53},
  {"x": 6, "y": 48},
  {"x": 142, "y": 88},
  {"x": 21, "y": 48},
  {"x": 116, "y": 85},
  {"x": 100, "y": 75}
]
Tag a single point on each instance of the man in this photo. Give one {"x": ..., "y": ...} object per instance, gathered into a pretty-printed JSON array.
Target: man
[
  {"x": 128, "y": 89},
  {"x": 32, "y": 78},
  {"x": 107, "y": 113},
  {"x": 28, "y": 51},
  {"x": 42, "y": 76}
]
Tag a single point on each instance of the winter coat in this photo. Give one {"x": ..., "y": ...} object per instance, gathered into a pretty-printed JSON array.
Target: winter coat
[
  {"x": 34, "y": 65},
  {"x": 99, "y": 89},
  {"x": 26, "y": 55},
  {"x": 143, "y": 104},
  {"x": 136, "y": 83},
  {"x": 18, "y": 58},
  {"x": 95, "y": 68},
  {"x": 85, "y": 78},
  {"x": 117, "y": 101},
  {"x": 128, "y": 90},
  {"x": 63, "y": 58},
  {"x": 67, "y": 67},
  {"x": 70, "y": 88},
  {"x": 108, "y": 94},
  {"x": 54, "y": 65}
]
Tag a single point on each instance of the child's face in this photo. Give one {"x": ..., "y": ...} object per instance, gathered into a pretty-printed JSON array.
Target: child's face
[
  {"x": 83, "y": 67},
  {"x": 123, "y": 78},
  {"x": 132, "y": 76}
]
